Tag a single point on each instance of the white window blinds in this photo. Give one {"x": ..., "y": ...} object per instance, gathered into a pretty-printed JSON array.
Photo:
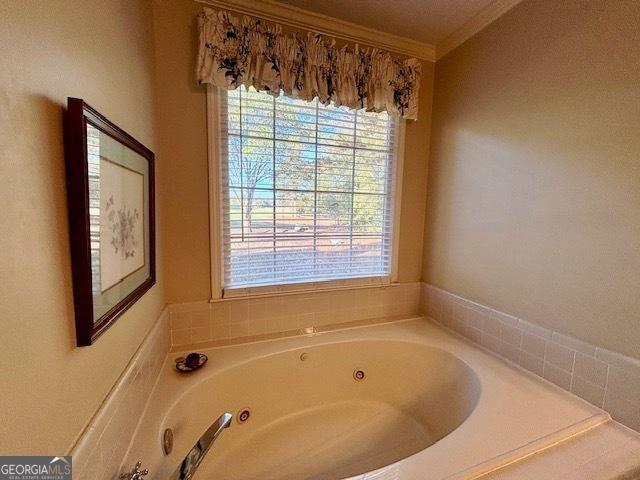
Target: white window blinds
[{"x": 306, "y": 191}]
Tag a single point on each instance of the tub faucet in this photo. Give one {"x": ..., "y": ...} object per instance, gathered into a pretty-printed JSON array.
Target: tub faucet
[
  {"x": 135, "y": 473},
  {"x": 192, "y": 461}
]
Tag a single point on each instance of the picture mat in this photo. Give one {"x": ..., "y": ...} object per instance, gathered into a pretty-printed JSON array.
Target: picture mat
[
  {"x": 117, "y": 153},
  {"x": 121, "y": 223}
]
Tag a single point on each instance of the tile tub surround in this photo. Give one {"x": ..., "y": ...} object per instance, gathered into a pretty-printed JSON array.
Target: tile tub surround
[
  {"x": 254, "y": 318},
  {"x": 606, "y": 379},
  {"x": 101, "y": 448}
]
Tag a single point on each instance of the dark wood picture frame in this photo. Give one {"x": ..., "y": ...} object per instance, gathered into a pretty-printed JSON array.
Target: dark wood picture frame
[{"x": 77, "y": 116}]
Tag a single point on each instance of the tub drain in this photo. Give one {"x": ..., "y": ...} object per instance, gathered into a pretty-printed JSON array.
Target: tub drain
[
  {"x": 358, "y": 375},
  {"x": 243, "y": 415}
]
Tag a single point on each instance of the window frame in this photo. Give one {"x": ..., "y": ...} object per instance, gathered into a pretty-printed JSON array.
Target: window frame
[{"x": 218, "y": 292}]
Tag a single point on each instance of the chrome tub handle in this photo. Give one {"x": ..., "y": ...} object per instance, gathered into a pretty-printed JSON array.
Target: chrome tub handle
[{"x": 192, "y": 461}]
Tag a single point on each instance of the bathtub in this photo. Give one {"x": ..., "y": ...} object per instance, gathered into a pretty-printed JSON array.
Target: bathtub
[{"x": 405, "y": 400}]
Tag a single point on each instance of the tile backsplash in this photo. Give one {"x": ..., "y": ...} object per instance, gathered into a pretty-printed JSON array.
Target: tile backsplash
[
  {"x": 606, "y": 379},
  {"x": 101, "y": 448},
  {"x": 258, "y": 317}
]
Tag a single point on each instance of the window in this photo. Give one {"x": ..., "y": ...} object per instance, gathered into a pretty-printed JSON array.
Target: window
[{"x": 306, "y": 191}]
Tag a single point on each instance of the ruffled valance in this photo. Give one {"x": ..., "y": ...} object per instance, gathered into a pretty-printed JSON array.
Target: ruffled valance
[{"x": 252, "y": 52}]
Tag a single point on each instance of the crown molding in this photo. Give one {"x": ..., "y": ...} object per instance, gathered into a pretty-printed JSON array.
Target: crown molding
[
  {"x": 316, "y": 22},
  {"x": 484, "y": 17}
]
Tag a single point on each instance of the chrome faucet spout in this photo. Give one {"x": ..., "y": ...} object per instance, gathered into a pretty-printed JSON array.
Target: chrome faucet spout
[
  {"x": 135, "y": 473},
  {"x": 192, "y": 461}
]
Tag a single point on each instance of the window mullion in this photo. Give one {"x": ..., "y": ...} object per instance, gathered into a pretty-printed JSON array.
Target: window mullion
[
  {"x": 273, "y": 153},
  {"x": 241, "y": 169},
  {"x": 303, "y": 142},
  {"x": 353, "y": 188},
  {"x": 315, "y": 198}
]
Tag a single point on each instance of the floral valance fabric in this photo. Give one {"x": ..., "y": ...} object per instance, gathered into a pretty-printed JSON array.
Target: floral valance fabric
[{"x": 252, "y": 52}]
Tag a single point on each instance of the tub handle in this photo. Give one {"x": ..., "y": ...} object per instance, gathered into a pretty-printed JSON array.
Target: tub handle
[{"x": 192, "y": 461}]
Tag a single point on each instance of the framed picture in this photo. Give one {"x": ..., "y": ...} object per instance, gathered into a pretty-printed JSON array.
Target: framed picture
[{"x": 110, "y": 191}]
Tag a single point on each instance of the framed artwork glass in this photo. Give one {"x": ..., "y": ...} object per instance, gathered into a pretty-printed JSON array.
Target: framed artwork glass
[{"x": 110, "y": 192}]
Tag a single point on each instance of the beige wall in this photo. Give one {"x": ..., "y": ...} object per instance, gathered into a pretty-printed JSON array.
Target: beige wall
[
  {"x": 101, "y": 51},
  {"x": 182, "y": 114},
  {"x": 183, "y": 142},
  {"x": 534, "y": 181}
]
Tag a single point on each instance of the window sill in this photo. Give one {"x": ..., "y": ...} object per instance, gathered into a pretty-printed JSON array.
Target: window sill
[{"x": 299, "y": 288}]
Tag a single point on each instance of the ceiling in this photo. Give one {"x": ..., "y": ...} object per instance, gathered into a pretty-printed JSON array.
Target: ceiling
[{"x": 428, "y": 21}]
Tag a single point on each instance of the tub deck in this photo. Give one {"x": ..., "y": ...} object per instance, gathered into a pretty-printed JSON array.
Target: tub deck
[{"x": 517, "y": 413}]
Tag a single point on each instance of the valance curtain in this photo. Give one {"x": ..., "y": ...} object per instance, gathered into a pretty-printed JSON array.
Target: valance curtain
[{"x": 252, "y": 52}]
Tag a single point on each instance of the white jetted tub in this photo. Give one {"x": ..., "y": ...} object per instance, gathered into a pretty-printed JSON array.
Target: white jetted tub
[{"x": 404, "y": 400}]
